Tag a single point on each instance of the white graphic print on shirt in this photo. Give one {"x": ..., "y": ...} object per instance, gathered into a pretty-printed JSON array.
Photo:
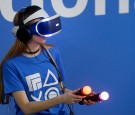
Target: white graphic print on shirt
[{"x": 34, "y": 83}]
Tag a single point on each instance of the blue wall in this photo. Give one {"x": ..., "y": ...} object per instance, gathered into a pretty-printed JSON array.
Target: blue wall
[{"x": 97, "y": 50}]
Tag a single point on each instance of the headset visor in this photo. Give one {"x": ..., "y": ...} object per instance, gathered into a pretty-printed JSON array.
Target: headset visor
[{"x": 46, "y": 27}]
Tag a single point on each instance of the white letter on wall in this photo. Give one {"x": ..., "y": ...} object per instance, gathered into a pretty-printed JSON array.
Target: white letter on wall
[
  {"x": 60, "y": 8},
  {"x": 100, "y": 7},
  {"x": 7, "y": 10},
  {"x": 123, "y": 6}
]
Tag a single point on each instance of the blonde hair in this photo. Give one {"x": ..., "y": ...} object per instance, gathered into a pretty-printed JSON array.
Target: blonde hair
[{"x": 17, "y": 49}]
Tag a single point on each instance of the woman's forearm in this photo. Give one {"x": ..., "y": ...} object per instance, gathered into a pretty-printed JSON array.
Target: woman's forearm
[
  {"x": 67, "y": 90},
  {"x": 35, "y": 107}
]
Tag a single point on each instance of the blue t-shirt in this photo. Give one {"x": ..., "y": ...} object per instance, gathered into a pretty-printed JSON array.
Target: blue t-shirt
[{"x": 37, "y": 77}]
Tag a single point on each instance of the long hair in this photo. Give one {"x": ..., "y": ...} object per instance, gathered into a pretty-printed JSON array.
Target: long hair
[{"x": 17, "y": 49}]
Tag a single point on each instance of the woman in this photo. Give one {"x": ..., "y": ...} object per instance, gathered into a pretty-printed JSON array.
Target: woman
[{"x": 29, "y": 75}]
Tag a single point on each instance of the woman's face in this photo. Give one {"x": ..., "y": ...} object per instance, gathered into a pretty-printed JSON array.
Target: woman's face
[{"x": 39, "y": 39}]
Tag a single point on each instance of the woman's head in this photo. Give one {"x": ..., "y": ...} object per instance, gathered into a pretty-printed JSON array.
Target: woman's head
[
  {"x": 33, "y": 20},
  {"x": 23, "y": 20}
]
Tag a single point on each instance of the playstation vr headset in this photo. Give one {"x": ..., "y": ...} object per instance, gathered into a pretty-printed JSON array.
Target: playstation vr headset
[{"x": 45, "y": 27}]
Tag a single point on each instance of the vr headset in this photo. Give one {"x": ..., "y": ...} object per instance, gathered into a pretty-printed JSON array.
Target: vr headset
[{"x": 45, "y": 27}]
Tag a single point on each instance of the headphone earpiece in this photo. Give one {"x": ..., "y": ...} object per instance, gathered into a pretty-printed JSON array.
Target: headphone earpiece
[{"x": 22, "y": 32}]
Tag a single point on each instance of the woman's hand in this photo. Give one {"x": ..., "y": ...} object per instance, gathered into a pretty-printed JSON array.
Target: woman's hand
[
  {"x": 89, "y": 102},
  {"x": 69, "y": 97}
]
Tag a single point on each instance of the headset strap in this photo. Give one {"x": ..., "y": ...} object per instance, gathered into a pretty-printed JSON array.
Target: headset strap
[{"x": 55, "y": 65}]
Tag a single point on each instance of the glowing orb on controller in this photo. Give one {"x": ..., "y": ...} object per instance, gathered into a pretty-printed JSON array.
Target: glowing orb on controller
[
  {"x": 86, "y": 90},
  {"x": 104, "y": 95}
]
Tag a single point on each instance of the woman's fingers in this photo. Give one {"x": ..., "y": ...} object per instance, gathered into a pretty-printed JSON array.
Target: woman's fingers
[{"x": 88, "y": 102}]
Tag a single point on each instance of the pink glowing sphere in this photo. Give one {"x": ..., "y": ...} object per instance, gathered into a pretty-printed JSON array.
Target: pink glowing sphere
[{"x": 104, "y": 95}]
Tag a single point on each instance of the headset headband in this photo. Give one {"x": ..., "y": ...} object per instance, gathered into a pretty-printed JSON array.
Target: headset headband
[{"x": 38, "y": 14}]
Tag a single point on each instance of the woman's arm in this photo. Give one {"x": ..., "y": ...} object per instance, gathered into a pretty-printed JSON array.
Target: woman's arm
[{"x": 35, "y": 107}]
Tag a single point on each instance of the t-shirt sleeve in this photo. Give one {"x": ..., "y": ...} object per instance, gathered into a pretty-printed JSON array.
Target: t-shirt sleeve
[
  {"x": 11, "y": 79},
  {"x": 59, "y": 63}
]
